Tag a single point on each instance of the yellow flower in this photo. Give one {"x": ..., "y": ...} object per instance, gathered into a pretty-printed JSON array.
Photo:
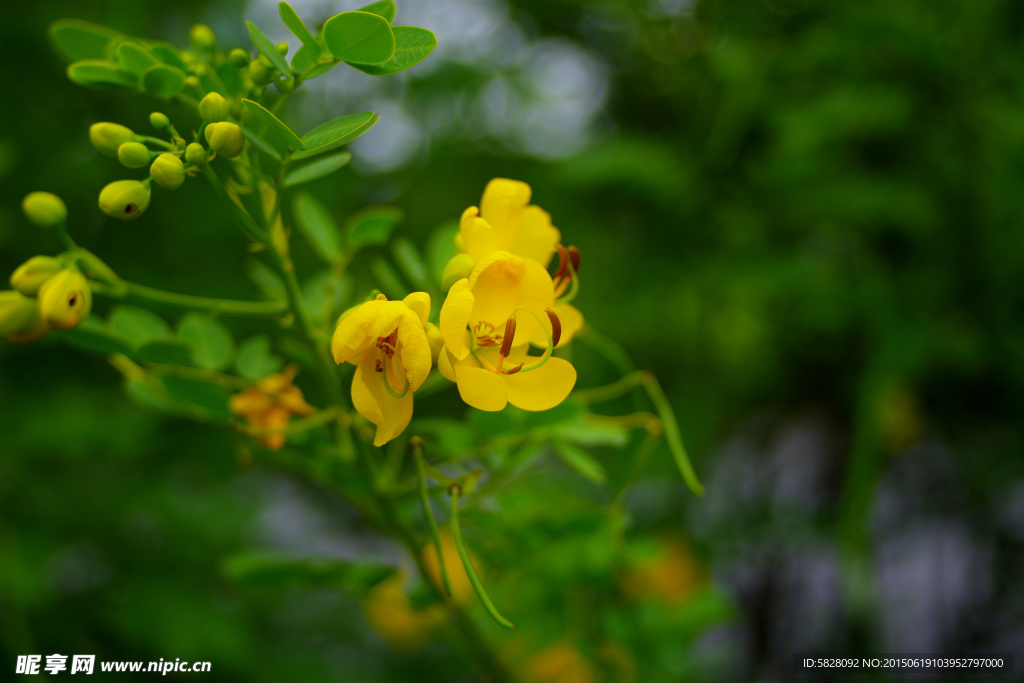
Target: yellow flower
[
  {"x": 561, "y": 662},
  {"x": 386, "y": 342},
  {"x": 487, "y": 323},
  {"x": 670, "y": 576},
  {"x": 391, "y": 614},
  {"x": 270, "y": 405},
  {"x": 506, "y": 221}
]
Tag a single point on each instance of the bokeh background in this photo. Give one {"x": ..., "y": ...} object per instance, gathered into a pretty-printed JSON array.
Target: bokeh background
[{"x": 807, "y": 218}]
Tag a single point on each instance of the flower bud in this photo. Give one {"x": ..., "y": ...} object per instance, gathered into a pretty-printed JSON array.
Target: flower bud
[
  {"x": 459, "y": 267},
  {"x": 16, "y": 312},
  {"x": 258, "y": 72},
  {"x": 44, "y": 209},
  {"x": 125, "y": 199},
  {"x": 192, "y": 82},
  {"x": 201, "y": 38},
  {"x": 239, "y": 57},
  {"x": 213, "y": 108},
  {"x": 168, "y": 171},
  {"x": 195, "y": 154},
  {"x": 34, "y": 329},
  {"x": 32, "y": 274},
  {"x": 107, "y": 137},
  {"x": 225, "y": 138},
  {"x": 65, "y": 300},
  {"x": 133, "y": 154},
  {"x": 159, "y": 120},
  {"x": 435, "y": 340},
  {"x": 282, "y": 48}
]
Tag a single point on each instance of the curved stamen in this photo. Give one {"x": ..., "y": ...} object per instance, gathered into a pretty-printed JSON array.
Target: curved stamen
[
  {"x": 573, "y": 284},
  {"x": 388, "y": 377},
  {"x": 556, "y": 326},
  {"x": 547, "y": 352}
]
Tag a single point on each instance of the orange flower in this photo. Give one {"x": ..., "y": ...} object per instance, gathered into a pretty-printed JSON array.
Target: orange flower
[{"x": 270, "y": 404}]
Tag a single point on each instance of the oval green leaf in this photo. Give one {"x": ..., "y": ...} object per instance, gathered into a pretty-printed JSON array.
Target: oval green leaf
[
  {"x": 212, "y": 345},
  {"x": 138, "y": 324},
  {"x": 334, "y": 130},
  {"x": 384, "y": 8},
  {"x": 316, "y": 169},
  {"x": 83, "y": 40},
  {"x": 254, "y": 360},
  {"x": 269, "y": 50},
  {"x": 163, "y": 81},
  {"x": 170, "y": 351},
  {"x": 134, "y": 58},
  {"x": 371, "y": 226},
  {"x": 168, "y": 54},
  {"x": 359, "y": 37},
  {"x": 412, "y": 46},
  {"x": 97, "y": 74},
  {"x": 275, "y": 126},
  {"x": 317, "y": 226},
  {"x": 339, "y": 141},
  {"x": 295, "y": 24}
]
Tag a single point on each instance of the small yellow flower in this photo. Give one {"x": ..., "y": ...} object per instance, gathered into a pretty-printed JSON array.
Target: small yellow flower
[
  {"x": 561, "y": 662},
  {"x": 391, "y": 614},
  {"x": 386, "y": 342},
  {"x": 506, "y": 221},
  {"x": 270, "y": 404},
  {"x": 488, "y": 321},
  {"x": 670, "y": 576},
  {"x": 65, "y": 300},
  {"x": 462, "y": 589}
]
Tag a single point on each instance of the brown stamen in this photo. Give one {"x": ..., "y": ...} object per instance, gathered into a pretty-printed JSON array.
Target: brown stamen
[
  {"x": 510, "y": 333},
  {"x": 563, "y": 260},
  {"x": 556, "y": 327},
  {"x": 574, "y": 257},
  {"x": 514, "y": 370}
]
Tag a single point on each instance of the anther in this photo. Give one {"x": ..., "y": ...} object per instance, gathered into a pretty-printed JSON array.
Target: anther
[
  {"x": 513, "y": 370},
  {"x": 556, "y": 327},
  {"x": 563, "y": 259},
  {"x": 574, "y": 257},
  {"x": 510, "y": 333}
]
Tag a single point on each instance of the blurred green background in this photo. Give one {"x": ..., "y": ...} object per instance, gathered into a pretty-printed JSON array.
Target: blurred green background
[{"x": 806, "y": 218}]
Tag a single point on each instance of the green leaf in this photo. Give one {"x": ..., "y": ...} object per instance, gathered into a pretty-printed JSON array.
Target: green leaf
[
  {"x": 268, "y": 49},
  {"x": 312, "y": 62},
  {"x": 359, "y": 37},
  {"x": 262, "y": 144},
  {"x": 168, "y": 54},
  {"x": 229, "y": 76},
  {"x": 254, "y": 359},
  {"x": 163, "y": 81},
  {"x": 261, "y": 570},
  {"x": 318, "y": 293},
  {"x": 138, "y": 324},
  {"x": 587, "y": 431},
  {"x": 317, "y": 226},
  {"x": 384, "y": 8},
  {"x": 441, "y": 248},
  {"x": 582, "y": 462},
  {"x": 275, "y": 126},
  {"x": 412, "y": 46},
  {"x": 410, "y": 262},
  {"x": 210, "y": 397},
  {"x": 83, "y": 40},
  {"x": 323, "y": 166},
  {"x": 295, "y": 24},
  {"x": 267, "y": 280},
  {"x": 170, "y": 350},
  {"x": 97, "y": 337},
  {"x": 97, "y": 74},
  {"x": 134, "y": 58},
  {"x": 343, "y": 134},
  {"x": 212, "y": 345},
  {"x": 371, "y": 226},
  {"x": 388, "y": 278}
]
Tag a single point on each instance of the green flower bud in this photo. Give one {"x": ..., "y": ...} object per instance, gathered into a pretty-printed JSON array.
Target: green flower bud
[
  {"x": 282, "y": 48},
  {"x": 284, "y": 85},
  {"x": 125, "y": 199},
  {"x": 168, "y": 171},
  {"x": 33, "y": 274},
  {"x": 435, "y": 340},
  {"x": 133, "y": 154},
  {"x": 107, "y": 137},
  {"x": 258, "y": 72},
  {"x": 65, "y": 300},
  {"x": 195, "y": 154},
  {"x": 459, "y": 267},
  {"x": 17, "y": 312},
  {"x": 192, "y": 82},
  {"x": 44, "y": 209},
  {"x": 225, "y": 138},
  {"x": 201, "y": 37},
  {"x": 239, "y": 57},
  {"x": 213, "y": 108},
  {"x": 159, "y": 120}
]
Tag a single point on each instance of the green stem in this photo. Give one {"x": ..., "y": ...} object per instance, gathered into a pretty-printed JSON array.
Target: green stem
[
  {"x": 65, "y": 238},
  {"x": 249, "y": 226},
  {"x": 224, "y": 306},
  {"x": 416, "y": 444},
  {"x": 675, "y": 440},
  {"x": 467, "y": 562},
  {"x": 209, "y": 376}
]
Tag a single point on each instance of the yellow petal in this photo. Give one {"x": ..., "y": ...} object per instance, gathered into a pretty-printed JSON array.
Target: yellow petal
[
  {"x": 480, "y": 388},
  {"x": 543, "y": 388},
  {"x": 389, "y": 318},
  {"x": 572, "y": 322},
  {"x": 537, "y": 237},
  {"x": 455, "y": 316},
  {"x": 502, "y": 206},
  {"x": 275, "y": 418},
  {"x": 375, "y": 403},
  {"x": 352, "y": 334},
  {"x": 477, "y": 237},
  {"x": 497, "y": 287},
  {"x": 420, "y": 303},
  {"x": 249, "y": 402},
  {"x": 537, "y": 294},
  {"x": 445, "y": 363},
  {"x": 414, "y": 351}
]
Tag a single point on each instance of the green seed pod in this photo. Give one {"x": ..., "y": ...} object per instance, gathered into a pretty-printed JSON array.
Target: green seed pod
[
  {"x": 225, "y": 138},
  {"x": 213, "y": 108},
  {"x": 282, "y": 48},
  {"x": 201, "y": 37},
  {"x": 435, "y": 340},
  {"x": 17, "y": 312},
  {"x": 459, "y": 267},
  {"x": 125, "y": 199},
  {"x": 159, "y": 120},
  {"x": 133, "y": 154},
  {"x": 65, "y": 300},
  {"x": 258, "y": 72},
  {"x": 45, "y": 209},
  {"x": 107, "y": 137},
  {"x": 33, "y": 274},
  {"x": 195, "y": 154},
  {"x": 239, "y": 57},
  {"x": 168, "y": 171}
]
